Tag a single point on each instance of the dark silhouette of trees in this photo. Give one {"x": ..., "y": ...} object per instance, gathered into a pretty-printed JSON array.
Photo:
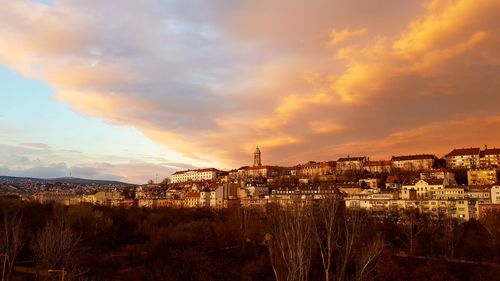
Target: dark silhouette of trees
[
  {"x": 55, "y": 244},
  {"x": 11, "y": 241}
]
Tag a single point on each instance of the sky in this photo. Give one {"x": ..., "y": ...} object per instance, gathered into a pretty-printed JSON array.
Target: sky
[{"x": 129, "y": 90}]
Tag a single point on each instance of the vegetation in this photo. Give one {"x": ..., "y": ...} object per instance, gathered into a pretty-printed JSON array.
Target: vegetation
[{"x": 320, "y": 242}]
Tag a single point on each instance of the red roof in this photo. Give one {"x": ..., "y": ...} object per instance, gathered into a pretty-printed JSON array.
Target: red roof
[
  {"x": 413, "y": 157},
  {"x": 392, "y": 179},
  {"x": 193, "y": 194},
  {"x": 490, "y": 151},
  {"x": 197, "y": 170},
  {"x": 464, "y": 151},
  {"x": 345, "y": 159}
]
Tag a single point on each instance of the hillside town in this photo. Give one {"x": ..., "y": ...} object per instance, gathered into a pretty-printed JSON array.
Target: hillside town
[{"x": 463, "y": 184}]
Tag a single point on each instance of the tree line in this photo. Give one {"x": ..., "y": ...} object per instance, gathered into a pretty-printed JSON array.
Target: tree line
[{"x": 293, "y": 242}]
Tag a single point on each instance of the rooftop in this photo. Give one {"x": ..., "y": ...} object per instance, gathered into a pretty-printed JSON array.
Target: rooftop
[
  {"x": 413, "y": 157},
  {"x": 464, "y": 151}
]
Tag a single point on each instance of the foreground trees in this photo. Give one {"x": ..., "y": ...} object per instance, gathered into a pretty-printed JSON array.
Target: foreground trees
[
  {"x": 55, "y": 244},
  {"x": 290, "y": 242},
  {"x": 299, "y": 231},
  {"x": 11, "y": 242},
  {"x": 333, "y": 243}
]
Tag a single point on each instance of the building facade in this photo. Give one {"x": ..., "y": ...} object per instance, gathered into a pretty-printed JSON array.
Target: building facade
[
  {"x": 413, "y": 162},
  {"x": 194, "y": 175},
  {"x": 490, "y": 158},
  {"x": 350, "y": 164},
  {"x": 463, "y": 158},
  {"x": 481, "y": 177}
]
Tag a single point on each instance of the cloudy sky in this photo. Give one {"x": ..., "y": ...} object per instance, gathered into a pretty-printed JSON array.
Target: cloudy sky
[{"x": 126, "y": 89}]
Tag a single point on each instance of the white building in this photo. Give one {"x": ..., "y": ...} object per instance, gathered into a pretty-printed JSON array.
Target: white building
[
  {"x": 195, "y": 175},
  {"x": 413, "y": 162},
  {"x": 495, "y": 194},
  {"x": 421, "y": 189}
]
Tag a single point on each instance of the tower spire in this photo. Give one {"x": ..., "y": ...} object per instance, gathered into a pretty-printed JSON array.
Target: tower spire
[{"x": 257, "y": 157}]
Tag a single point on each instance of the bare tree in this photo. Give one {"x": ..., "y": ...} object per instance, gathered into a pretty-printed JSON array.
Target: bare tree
[
  {"x": 352, "y": 222},
  {"x": 365, "y": 265},
  {"x": 452, "y": 232},
  {"x": 55, "y": 244},
  {"x": 12, "y": 240},
  {"x": 410, "y": 228},
  {"x": 291, "y": 241},
  {"x": 326, "y": 231}
]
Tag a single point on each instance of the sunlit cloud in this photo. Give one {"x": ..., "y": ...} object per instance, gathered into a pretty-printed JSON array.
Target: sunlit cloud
[
  {"x": 339, "y": 36},
  {"x": 301, "y": 80}
]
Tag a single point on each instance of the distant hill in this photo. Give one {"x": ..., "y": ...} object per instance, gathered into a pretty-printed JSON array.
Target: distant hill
[{"x": 61, "y": 180}]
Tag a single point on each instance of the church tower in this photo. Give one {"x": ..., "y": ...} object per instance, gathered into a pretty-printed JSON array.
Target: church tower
[{"x": 256, "y": 157}]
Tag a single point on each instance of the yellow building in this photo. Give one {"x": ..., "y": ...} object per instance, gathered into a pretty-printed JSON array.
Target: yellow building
[
  {"x": 192, "y": 199},
  {"x": 481, "y": 177},
  {"x": 490, "y": 157}
]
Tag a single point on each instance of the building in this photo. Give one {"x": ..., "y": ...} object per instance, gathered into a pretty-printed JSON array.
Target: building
[
  {"x": 495, "y": 194},
  {"x": 449, "y": 192},
  {"x": 256, "y": 190},
  {"x": 482, "y": 193},
  {"x": 350, "y": 164},
  {"x": 194, "y": 175},
  {"x": 438, "y": 174},
  {"x": 263, "y": 171},
  {"x": 61, "y": 197},
  {"x": 484, "y": 210},
  {"x": 481, "y": 177},
  {"x": 463, "y": 158},
  {"x": 392, "y": 182},
  {"x": 413, "y": 162},
  {"x": 490, "y": 158},
  {"x": 371, "y": 183},
  {"x": 192, "y": 199},
  {"x": 313, "y": 169},
  {"x": 421, "y": 189},
  {"x": 377, "y": 167}
]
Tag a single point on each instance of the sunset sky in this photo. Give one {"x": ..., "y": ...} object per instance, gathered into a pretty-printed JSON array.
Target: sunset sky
[{"x": 127, "y": 89}]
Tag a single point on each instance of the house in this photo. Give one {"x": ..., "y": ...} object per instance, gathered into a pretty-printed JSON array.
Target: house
[
  {"x": 392, "y": 182},
  {"x": 421, "y": 189},
  {"x": 463, "y": 158},
  {"x": 413, "y": 162}
]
